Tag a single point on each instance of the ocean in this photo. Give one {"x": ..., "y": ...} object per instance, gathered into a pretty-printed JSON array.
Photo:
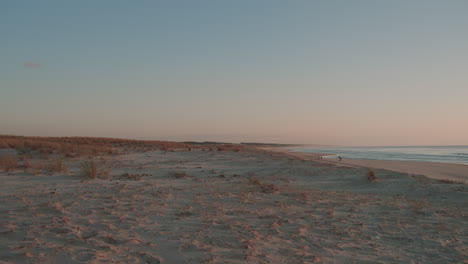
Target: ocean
[{"x": 445, "y": 154}]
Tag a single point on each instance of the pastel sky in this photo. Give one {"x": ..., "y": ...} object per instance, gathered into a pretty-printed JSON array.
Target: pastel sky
[{"x": 321, "y": 72}]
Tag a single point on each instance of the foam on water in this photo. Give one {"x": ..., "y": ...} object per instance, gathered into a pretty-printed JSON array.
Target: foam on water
[{"x": 445, "y": 154}]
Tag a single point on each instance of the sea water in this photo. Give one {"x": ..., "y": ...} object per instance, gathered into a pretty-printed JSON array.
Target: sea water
[{"x": 445, "y": 154}]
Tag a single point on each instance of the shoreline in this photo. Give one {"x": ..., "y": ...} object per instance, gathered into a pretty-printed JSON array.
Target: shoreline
[{"x": 433, "y": 170}]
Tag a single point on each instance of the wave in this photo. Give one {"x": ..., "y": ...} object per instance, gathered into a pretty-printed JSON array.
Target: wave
[{"x": 460, "y": 154}]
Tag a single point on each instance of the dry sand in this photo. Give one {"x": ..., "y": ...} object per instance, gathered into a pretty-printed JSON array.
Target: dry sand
[{"x": 230, "y": 207}]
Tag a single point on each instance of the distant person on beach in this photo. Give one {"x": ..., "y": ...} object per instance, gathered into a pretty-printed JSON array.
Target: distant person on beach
[{"x": 340, "y": 158}]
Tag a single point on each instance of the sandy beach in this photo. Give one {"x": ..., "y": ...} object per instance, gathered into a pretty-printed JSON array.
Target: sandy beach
[
  {"x": 433, "y": 170},
  {"x": 249, "y": 206},
  {"x": 167, "y": 132}
]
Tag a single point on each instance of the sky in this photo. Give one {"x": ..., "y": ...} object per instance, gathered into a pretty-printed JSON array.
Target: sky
[{"x": 315, "y": 72}]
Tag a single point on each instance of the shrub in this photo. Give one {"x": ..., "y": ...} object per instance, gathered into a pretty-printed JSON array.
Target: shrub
[
  {"x": 370, "y": 176},
  {"x": 92, "y": 169}
]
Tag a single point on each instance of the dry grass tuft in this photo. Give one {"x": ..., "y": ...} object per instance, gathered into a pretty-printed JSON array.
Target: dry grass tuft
[
  {"x": 370, "y": 176},
  {"x": 26, "y": 165},
  {"x": 91, "y": 169},
  {"x": 178, "y": 174},
  {"x": 8, "y": 162},
  {"x": 37, "y": 169},
  {"x": 236, "y": 149},
  {"x": 135, "y": 177},
  {"x": 44, "y": 155},
  {"x": 264, "y": 187},
  {"x": 56, "y": 166}
]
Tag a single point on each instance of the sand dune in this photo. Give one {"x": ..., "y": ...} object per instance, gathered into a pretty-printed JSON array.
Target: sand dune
[{"x": 230, "y": 207}]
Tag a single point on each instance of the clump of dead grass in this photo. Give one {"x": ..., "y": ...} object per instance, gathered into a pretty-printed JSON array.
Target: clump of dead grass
[
  {"x": 370, "y": 176},
  {"x": 35, "y": 169},
  {"x": 91, "y": 169},
  {"x": 56, "y": 166},
  {"x": 178, "y": 174},
  {"x": 264, "y": 187},
  {"x": 135, "y": 177},
  {"x": 26, "y": 165},
  {"x": 8, "y": 162}
]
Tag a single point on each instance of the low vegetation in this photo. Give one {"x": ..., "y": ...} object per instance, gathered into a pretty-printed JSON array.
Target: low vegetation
[
  {"x": 264, "y": 187},
  {"x": 73, "y": 147},
  {"x": 129, "y": 176},
  {"x": 46, "y": 146},
  {"x": 178, "y": 174},
  {"x": 56, "y": 166},
  {"x": 92, "y": 169},
  {"x": 370, "y": 176},
  {"x": 49, "y": 155},
  {"x": 8, "y": 162}
]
